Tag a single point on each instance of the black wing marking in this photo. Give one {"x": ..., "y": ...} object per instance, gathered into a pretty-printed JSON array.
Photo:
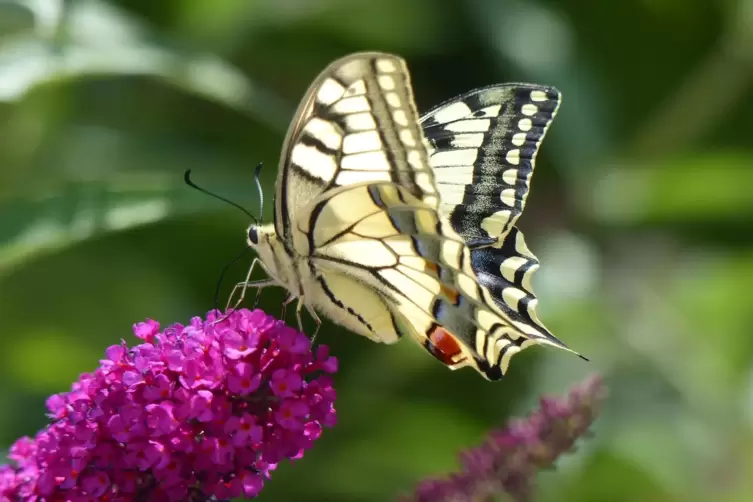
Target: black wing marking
[{"x": 484, "y": 146}]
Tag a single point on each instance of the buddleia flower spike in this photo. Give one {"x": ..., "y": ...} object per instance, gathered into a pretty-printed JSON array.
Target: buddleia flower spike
[
  {"x": 204, "y": 411},
  {"x": 507, "y": 461}
]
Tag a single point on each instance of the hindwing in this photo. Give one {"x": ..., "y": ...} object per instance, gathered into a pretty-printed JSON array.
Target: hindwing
[
  {"x": 506, "y": 271},
  {"x": 420, "y": 270}
]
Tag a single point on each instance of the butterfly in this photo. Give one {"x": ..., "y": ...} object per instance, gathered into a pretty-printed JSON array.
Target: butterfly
[{"x": 396, "y": 225}]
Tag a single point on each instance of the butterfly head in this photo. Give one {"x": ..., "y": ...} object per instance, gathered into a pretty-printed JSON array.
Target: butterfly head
[
  {"x": 260, "y": 236},
  {"x": 269, "y": 248}
]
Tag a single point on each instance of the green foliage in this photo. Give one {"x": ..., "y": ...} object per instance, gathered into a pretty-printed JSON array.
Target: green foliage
[{"x": 641, "y": 213}]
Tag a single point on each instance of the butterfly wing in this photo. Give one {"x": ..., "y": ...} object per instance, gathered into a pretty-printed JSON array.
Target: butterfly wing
[
  {"x": 356, "y": 123},
  {"x": 484, "y": 145},
  {"x": 398, "y": 264},
  {"x": 506, "y": 271}
]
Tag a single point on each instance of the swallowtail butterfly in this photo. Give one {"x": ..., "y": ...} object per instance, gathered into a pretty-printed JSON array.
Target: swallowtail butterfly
[{"x": 393, "y": 224}]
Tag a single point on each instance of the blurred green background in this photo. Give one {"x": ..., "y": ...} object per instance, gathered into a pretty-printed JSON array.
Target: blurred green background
[{"x": 641, "y": 214}]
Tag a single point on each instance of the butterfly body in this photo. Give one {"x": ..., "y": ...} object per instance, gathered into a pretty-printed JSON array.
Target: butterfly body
[{"x": 392, "y": 225}]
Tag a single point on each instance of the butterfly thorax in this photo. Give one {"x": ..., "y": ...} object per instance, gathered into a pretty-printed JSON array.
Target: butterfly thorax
[{"x": 280, "y": 263}]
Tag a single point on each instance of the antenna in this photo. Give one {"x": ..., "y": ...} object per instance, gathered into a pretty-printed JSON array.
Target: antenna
[
  {"x": 257, "y": 171},
  {"x": 187, "y": 178}
]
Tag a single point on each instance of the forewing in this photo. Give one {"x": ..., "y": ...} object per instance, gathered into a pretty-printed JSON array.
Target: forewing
[
  {"x": 357, "y": 123},
  {"x": 483, "y": 150},
  {"x": 383, "y": 237}
]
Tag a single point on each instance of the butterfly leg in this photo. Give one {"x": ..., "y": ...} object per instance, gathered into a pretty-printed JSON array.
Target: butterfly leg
[
  {"x": 285, "y": 304},
  {"x": 258, "y": 296},
  {"x": 252, "y": 284},
  {"x": 248, "y": 284},
  {"x": 298, "y": 312},
  {"x": 244, "y": 285},
  {"x": 316, "y": 320}
]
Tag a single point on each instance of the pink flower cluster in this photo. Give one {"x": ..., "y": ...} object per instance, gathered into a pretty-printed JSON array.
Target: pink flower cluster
[
  {"x": 195, "y": 412},
  {"x": 508, "y": 460}
]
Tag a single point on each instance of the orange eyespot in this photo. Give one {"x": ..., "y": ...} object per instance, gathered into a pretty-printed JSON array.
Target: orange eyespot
[
  {"x": 450, "y": 293},
  {"x": 429, "y": 266},
  {"x": 444, "y": 346}
]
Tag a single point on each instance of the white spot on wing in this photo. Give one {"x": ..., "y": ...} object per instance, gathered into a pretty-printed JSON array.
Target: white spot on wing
[
  {"x": 468, "y": 140},
  {"x": 510, "y": 266},
  {"x": 519, "y": 139},
  {"x": 366, "y": 141},
  {"x": 525, "y": 125},
  {"x": 538, "y": 96},
  {"x": 512, "y": 297},
  {"x": 360, "y": 122},
  {"x": 456, "y": 175},
  {"x": 490, "y": 111},
  {"x": 468, "y": 286},
  {"x": 425, "y": 183},
  {"x": 495, "y": 224},
  {"x": 508, "y": 197},
  {"x": 469, "y": 125},
  {"x": 386, "y": 82},
  {"x": 325, "y": 132},
  {"x": 351, "y": 105},
  {"x": 386, "y": 65},
  {"x": 329, "y": 92},
  {"x": 450, "y": 252},
  {"x": 455, "y": 111},
  {"x": 368, "y": 161},
  {"x": 526, "y": 282},
  {"x": 406, "y": 136},
  {"x": 392, "y": 99},
  {"x": 313, "y": 161},
  {"x": 462, "y": 157},
  {"x": 505, "y": 362},
  {"x": 513, "y": 157},
  {"x": 529, "y": 109},
  {"x": 414, "y": 159},
  {"x": 400, "y": 118},
  {"x": 510, "y": 176},
  {"x": 357, "y": 88}
]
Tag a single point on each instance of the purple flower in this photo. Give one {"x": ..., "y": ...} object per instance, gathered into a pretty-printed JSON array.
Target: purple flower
[
  {"x": 292, "y": 413},
  {"x": 243, "y": 379},
  {"x": 286, "y": 383},
  {"x": 509, "y": 458},
  {"x": 195, "y": 412}
]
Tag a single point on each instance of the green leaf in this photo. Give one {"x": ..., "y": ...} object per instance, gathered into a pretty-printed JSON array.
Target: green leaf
[
  {"x": 706, "y": 187},
  {"x": 94, "y": 39}
]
